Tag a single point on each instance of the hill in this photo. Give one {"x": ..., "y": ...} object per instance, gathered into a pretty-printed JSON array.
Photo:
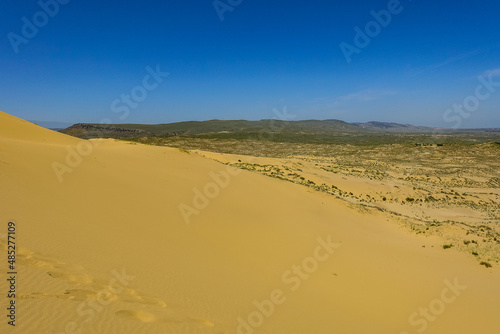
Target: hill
[{"x": 298, "y": 131}]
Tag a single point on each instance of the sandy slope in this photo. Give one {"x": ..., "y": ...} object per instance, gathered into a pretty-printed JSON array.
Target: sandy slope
[{"x": 107, "y": 250}]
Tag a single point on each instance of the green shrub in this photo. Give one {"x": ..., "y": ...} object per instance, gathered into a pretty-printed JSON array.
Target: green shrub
[{"x": 486, "y": 264}]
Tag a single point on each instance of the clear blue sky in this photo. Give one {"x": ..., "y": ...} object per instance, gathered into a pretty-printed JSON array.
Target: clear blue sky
[{"x": 263, "y": 55}]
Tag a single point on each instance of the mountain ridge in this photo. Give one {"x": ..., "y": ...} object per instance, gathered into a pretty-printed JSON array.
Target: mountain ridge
[{"x": 194, "y": 128}]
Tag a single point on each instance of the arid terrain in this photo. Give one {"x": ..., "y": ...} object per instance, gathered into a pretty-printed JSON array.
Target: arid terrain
[
  {"x": 222, "y": 235},
  {"x": 450, "y": 189}
]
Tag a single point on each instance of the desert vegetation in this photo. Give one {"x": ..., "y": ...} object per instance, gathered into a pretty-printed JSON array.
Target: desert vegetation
[{"x": 446, "y": 185}]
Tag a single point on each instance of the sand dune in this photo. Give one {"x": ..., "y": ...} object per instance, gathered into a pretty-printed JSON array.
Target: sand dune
[{"x": 121, "y": 238}]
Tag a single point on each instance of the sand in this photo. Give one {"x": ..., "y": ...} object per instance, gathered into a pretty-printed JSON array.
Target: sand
[{"x": 125, "y": 240}]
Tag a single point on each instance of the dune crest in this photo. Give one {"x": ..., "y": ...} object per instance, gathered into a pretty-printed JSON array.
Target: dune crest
[{"x": 14, "y": 128}]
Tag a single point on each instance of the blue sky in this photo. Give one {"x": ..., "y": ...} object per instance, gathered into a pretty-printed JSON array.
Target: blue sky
[{"x": 81, "y": 62}]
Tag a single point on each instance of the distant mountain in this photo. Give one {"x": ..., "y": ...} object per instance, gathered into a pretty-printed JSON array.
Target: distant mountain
[
  {"x": 52, "y": 125},
  {"x": 85, "y": 130},
  {"x": 243, "y": 127},
  {"x": 394, "y": 127}
]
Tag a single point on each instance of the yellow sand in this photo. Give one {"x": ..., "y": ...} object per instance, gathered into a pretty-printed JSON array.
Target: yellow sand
[{"x": 107, "y": 250}]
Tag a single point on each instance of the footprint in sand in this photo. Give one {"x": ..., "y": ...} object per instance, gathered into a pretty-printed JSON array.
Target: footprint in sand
[
  {"x": 79, "y": 279},
  {"x": 138, "y": 315},
  {"x": 136, "y": 298},
  {"x": 147, "y": 317},
  {"x": 29, "y": 258},
  {"x": 88, "y": 288},
  {"x": 82, "y": 294}
]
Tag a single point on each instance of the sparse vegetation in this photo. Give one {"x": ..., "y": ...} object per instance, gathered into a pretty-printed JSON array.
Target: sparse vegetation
[
  {"x": 486, "y": 264},
  {"x": 400, "y": 178}
]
